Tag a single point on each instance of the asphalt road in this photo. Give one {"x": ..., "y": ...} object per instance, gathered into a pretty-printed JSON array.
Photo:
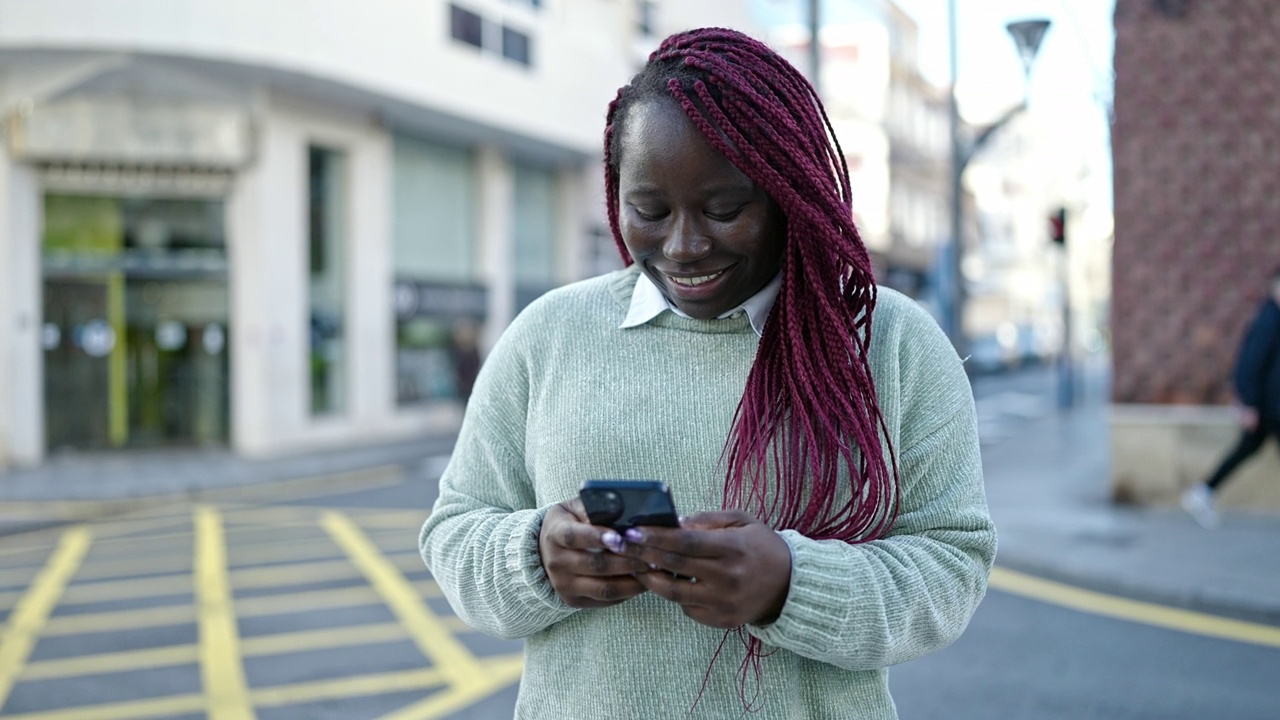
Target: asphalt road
[
  {"x": 1024, "y": 658},
  {"x": 305, "y": 599}
]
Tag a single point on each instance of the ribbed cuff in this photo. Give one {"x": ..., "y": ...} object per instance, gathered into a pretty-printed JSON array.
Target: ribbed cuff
[
  {"x": 813, "y": 616},
  {"x": 524, "y": 562}
]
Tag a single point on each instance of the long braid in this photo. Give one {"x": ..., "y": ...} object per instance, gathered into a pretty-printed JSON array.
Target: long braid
[{"x": 809, "y": 413}]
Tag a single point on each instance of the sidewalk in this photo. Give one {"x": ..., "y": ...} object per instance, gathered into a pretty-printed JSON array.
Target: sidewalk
[
  {"x": 83, "y": 486},
  {"x": 1048, "y": 490},
  {"x": 1047, "y": 485}
]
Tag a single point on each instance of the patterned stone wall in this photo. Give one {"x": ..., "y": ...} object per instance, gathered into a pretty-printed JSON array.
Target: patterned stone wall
[{"x": 1196, "y": 144}]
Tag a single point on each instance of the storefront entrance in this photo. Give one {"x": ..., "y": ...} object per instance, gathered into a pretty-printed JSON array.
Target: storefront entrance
[{"x": 135, "y": 322}]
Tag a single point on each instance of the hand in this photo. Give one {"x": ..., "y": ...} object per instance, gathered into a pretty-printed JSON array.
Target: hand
[
  {"x": 724, "y": 568},
  {"x": 1248, "y": 418},
  {"x": 581, "y": 572}
]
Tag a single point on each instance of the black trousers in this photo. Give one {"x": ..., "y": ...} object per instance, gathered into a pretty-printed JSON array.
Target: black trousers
[{"x": 1250, "y": 442}]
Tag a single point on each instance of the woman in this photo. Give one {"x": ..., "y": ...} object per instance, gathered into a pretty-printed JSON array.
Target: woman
[{"x": 819, "y": 432}]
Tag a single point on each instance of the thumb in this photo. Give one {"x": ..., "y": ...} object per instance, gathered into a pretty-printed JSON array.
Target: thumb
[{"x": 713, "y": 519}]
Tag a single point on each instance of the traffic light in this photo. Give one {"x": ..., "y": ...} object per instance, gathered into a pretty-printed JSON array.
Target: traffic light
[{"x": 1058, "y": 226}]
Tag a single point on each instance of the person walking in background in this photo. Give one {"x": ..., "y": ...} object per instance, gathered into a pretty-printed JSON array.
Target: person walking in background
[{"x": 1257, "y": 380}]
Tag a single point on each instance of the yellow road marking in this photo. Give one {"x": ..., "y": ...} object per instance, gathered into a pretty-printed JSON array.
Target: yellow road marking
[
  {"x": 257, "y": 646},
  {"x": 131, "y": 710},
  {"x": 117, "y": 620},
  {"x": 180, "y": 583},
  {"x": 147, "y": 659},
  {"x": 29, "y": 617},
  {"x": 453, "y": 660},
  {"x": 335, "y": 689},
  {"x": 108, "y": 590},
  {"x": 502, "y": 672},
  {"x": 278, "y": 604},
  {"x": 1096, "y": 603},
  {"x": 221, "y": 670}
]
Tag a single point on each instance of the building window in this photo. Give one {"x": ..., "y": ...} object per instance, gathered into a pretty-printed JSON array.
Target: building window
[
  {"x": 515, "y": 46},
  {"x": 534, "y": 194},
  {"x": 440, "y": 304},
  {"x": 472, "y": 29},
  {"x": 466, "y": 26},
  {"x": 327, "y": 234}
]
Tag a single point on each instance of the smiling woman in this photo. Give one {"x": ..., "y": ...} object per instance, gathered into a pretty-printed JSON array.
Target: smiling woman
[
  {"x": 819, "y": 431},
  {"x": 702, "y": 232}
]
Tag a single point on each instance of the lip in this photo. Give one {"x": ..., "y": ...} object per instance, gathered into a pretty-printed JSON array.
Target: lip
[{"x": 702, "y": 292}]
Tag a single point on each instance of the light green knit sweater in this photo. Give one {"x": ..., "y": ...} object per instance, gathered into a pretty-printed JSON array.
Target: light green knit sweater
[{"x": 566, "y": 396}]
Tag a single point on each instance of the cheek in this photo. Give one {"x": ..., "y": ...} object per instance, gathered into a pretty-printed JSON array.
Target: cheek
[{"x": 640, "y": 240}]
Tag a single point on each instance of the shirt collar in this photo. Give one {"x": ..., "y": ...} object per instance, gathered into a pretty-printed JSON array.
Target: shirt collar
[{"x": 648, "y": 302}]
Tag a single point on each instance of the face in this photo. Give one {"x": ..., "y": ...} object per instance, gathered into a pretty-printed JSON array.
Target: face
[{"x": 706, "y": 235}]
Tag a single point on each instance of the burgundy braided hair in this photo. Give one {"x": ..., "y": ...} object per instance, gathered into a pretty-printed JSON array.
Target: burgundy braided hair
[{"x": 809, "y": 409}]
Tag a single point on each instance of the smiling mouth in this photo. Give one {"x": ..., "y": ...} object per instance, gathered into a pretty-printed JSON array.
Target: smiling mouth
[{"x": 696, "y": 280}]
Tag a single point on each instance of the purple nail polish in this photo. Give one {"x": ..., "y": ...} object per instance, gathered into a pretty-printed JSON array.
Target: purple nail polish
[
  {"x": 634, "y": 535},
  {"x": 610, "y": 538}
]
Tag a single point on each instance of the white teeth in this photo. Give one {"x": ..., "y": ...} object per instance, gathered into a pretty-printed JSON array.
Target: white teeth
[{"x": 695, "y": 281}]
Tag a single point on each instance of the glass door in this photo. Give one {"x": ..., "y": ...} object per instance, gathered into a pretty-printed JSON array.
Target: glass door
[{"x": 136, "y": 330}]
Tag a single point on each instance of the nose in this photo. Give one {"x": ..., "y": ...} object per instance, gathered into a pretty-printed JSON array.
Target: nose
[{"x": 686, "y": 242}]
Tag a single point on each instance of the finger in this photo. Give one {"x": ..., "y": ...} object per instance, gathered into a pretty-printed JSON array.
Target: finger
[
  {"x": 570, "y": 532},
  {"x": 679, "y": 541},
  {"x": 575, "y": 508},
  {"x": 683, "y": 590},
  {"x": 709, "y": 520},
  {"x": 602, "y": 564},
  {"x": 602, "y": 592}
]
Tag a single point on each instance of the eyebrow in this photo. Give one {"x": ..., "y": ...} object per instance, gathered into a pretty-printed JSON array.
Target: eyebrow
[{"x": 715, "y": 190}]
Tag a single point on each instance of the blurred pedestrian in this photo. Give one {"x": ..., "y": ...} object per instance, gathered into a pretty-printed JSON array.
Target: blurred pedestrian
[
  {"x": 820, "y": 431},
  {"x": 1257, "y": 381},
  {"x": 464, "y": 352}
]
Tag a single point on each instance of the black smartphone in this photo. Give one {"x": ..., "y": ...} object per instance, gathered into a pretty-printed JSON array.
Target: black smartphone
[{"x": 621, "y": 504}]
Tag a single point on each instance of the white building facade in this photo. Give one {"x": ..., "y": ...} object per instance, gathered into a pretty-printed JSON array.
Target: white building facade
[{"x": 276, "y": 226}]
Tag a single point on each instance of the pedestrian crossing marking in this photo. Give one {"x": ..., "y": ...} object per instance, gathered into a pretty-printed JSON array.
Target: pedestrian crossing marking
[
  {"x": 221, "y": 670},
  {"x": 29, "y": 616}
]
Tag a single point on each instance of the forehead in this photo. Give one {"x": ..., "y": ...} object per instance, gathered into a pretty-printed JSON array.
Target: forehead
[{"x": 659, "y": 139}]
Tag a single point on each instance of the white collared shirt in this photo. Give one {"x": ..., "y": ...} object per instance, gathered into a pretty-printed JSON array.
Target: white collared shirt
[{"x": 648, "y": 302}]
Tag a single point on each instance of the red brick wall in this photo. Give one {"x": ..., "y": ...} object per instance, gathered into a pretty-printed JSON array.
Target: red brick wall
[{"x": 1196, "y": 146}]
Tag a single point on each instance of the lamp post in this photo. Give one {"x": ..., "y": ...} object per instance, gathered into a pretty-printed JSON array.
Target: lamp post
[{"x": 1026, "y": 35}]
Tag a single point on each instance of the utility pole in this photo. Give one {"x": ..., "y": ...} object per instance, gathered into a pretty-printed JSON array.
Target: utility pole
[
  {"x": 955, "y": 309},
  {"x": 815, "y": 43}
]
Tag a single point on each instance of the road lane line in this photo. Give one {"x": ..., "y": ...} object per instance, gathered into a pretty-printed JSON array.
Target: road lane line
[
  {"x": 221, "y": 670},
  {"x": 1096, "y": 603},
  {"x": 264, "y": 605},
  {"x": 129, "y": 710},
  {"x": 32, "y": 611},
  {"x": 256, "y": 646},
  {"x": 451, "y": 658}
]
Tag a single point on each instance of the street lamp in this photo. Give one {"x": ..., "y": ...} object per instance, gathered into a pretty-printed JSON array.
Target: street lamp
[{"x": 1027, "y": 35}]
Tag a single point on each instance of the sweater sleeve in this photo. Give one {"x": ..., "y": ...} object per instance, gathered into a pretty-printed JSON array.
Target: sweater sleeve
[
  {"x": 481, "y": 539},
  {"x": 871, "y": 605}
]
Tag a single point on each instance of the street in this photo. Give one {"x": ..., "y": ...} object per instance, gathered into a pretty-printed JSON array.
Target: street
[{"x": 307, "y": 599}]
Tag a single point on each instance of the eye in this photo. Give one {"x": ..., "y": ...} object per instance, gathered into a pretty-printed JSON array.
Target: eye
[
  {"x": 725, "y": 214},
  {"x": 649, "y": 214}
]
